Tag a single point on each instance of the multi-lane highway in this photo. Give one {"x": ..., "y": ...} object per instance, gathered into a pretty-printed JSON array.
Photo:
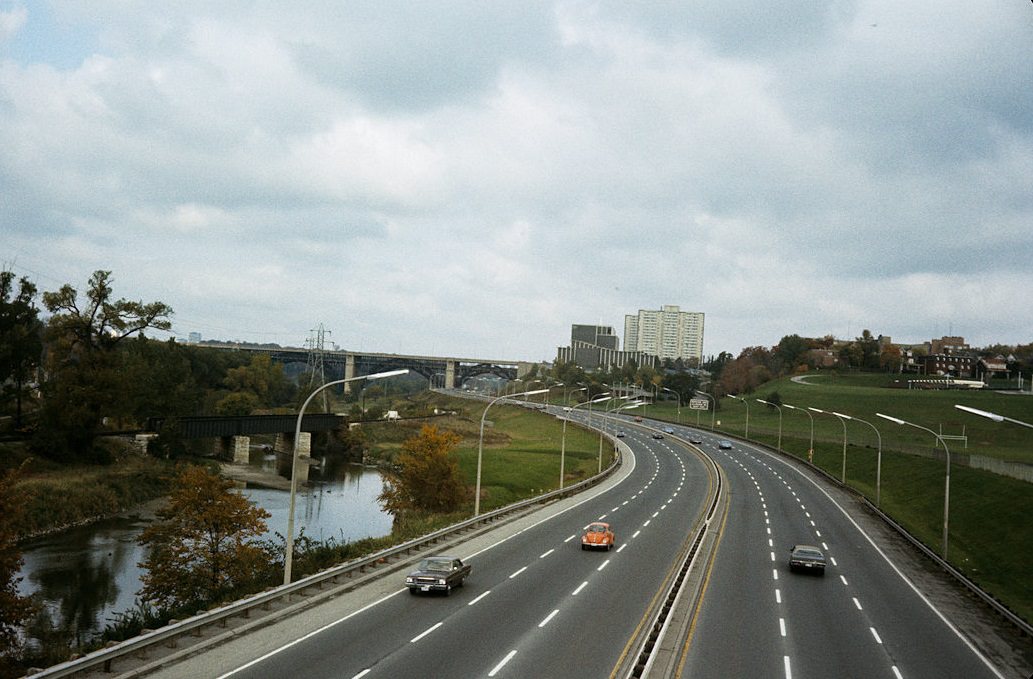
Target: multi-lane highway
[
  {"x": 537, "y": 605},
  {"x": 861, "y": 619}
]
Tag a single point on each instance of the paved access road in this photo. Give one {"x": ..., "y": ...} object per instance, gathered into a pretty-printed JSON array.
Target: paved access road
[
  {"x": 536, "y": 605},
  {"x": 861, "y": 619}
]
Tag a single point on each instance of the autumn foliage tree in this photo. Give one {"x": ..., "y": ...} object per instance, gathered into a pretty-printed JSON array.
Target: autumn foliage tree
[
  {"x": 203, "y": 548},
  {"x": 425, "y": 476}
]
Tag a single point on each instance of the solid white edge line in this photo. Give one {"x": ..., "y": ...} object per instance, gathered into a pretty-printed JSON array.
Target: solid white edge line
[
  {"x": 630, "y": 462},
  {"x": 890, "y": 563},
  {"x": 309, "y": 635}
]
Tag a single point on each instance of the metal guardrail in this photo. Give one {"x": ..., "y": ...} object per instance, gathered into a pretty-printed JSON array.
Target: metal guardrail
[
  {"x": 260, "y": 604},
  {"x": 645, "y": 649}
]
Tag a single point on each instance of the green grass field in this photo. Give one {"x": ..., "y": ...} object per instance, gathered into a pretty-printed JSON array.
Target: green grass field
[{"x": 990, "y": 528}]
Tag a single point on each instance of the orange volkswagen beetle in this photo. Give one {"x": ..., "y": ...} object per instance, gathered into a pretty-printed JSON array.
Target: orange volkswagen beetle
[{"x": 598, "y": 536}]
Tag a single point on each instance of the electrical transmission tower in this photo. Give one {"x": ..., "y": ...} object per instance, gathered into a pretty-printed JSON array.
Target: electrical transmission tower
[{"x": 316, "y": 366}]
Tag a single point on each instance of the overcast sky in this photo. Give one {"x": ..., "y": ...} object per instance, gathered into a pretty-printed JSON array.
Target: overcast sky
[{"x": 470, "y": 178}]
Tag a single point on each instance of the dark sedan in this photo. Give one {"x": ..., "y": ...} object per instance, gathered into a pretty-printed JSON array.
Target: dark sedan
[
  {"x": 437, "y": 574},
  {"x": 806, "y": 558}
]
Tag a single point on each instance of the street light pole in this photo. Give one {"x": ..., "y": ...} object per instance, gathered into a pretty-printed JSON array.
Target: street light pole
[
  {"x": 994, "y": 416},
  {"x": 810, "y": 451},
  {"x": 947, "y": 480},
  {"x": 678, "y": 396},
  {"x": 713, "y": 411},
  {"x": 563, "y": 439},
  {"x": 480, "y": 447},
  {"x": 843, "y": 422},
  {"x": 747, "y": 404},
  {"x": 878, "y": 458},
  {"x": 288, "y": 556},
  {"x": 760, "y": 400}
]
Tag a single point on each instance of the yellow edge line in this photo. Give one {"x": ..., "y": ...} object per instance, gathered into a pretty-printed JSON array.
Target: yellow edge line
[
  {"x": 652, "y": 603},
  {"x": 702, "y": 594}
]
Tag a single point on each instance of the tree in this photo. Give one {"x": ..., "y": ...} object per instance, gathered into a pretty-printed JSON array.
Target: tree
[
  {"x": 83, "y": 379},
  {"x": 425, "y": 476},
  {"x": 21, "y": 338},
  {"x": 792, "y": 351},
  {"x": 203, "y": 548},
  {"x": 15, "y": 610}
]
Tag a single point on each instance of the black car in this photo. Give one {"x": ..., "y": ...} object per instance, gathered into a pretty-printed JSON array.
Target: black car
[
  {"x": 695, "y": 439},
  {"x": 724, "y": 445},
  {"x": 437, "y": 574},
  {"x": 620, "y": 433},
  {"x": 657, "y": 435},
  {"x": 806, "y": 558}
]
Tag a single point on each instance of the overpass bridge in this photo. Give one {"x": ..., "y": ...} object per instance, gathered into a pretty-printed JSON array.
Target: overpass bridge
[{"x": 451, "y": 371}]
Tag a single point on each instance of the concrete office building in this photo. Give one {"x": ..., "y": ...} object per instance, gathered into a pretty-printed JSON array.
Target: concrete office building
[
  {"x": 594, "y": 347},
  {"x": 667, "y": 333}
]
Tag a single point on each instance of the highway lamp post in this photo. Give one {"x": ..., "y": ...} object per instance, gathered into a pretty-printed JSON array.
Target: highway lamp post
[
  {"x": 878, "y": 456},
  {"x": 678, "y": 396},
  {"x": 288, "y": 556},
  {"x": 480, "y": 448},
  {"x": 810, "y": 450},
  {"x": 775, "y": 405},
  {"x": 563, "y": 440},
  {"x": 713, "y": 411},
  {"x": 993, "y": 416},
  {"x": 747, "y": 404},
  {"x": 842, "y": 478},
  {"x": 602, "y": 430},
  {"x": 947, "y": 480}
]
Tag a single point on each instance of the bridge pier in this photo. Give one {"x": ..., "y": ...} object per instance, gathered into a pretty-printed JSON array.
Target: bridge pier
[
  {"x": 349, "y": 372},
  {"x": 450, "y": 374},
  {"x": 285, "y": 444},
  {"x": 237, "y": 447}
]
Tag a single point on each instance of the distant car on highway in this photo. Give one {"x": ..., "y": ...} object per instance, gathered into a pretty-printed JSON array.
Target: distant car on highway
[
  {"x": 806, "y": 558},
  {"x": 724, "y": 444},
  {"x": 598, "y": 535},
  {"x": 668, "y": 430},
  {"x": 620, "y": 433},
  {"x": 657, "y": 435},
  {"x": 696, "y": 438},
  {"x": 437, "y": 574}
]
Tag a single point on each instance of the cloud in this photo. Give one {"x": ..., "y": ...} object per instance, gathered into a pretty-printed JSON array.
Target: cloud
[{"x": 472, "y": 179}]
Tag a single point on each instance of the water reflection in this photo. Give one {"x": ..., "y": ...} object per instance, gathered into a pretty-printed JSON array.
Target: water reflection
[{"x": 85, "y": 576}]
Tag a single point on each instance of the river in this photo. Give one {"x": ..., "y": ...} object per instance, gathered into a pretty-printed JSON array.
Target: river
[{"x": 85, "y": 576}]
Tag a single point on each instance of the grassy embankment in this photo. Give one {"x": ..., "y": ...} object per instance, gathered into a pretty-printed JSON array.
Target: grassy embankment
[
  {"x": 521, "y": 448},
  {"x": 990, "y": 531},
  {"x": 60, "y": 496}
]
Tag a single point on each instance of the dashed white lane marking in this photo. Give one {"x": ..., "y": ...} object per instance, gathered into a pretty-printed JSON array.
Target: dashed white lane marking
[
  {"x": 778, "y": 596},
  {"x": 425, "y": 632},
  {"x": 789, "y": 672},
  {"x": 495, "y": 670},
  {"x": 546, "y": 553},
  {"x": 782, "y": 626},
  {"x": 518, "y": 572},
  {"x": 570, "y": 538},
  {"x": 857, "y": 603},
  {"x": 363, "y": 673},
  {"x": 479, "y": 598},
  {"x": 549, "y": 617},
  {"x": 875, "y": 634},
  {"x": 603, "y": 565}
]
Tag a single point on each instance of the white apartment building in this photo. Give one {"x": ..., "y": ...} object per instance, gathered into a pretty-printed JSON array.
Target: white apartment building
[{"x": 665, "y": 333}]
